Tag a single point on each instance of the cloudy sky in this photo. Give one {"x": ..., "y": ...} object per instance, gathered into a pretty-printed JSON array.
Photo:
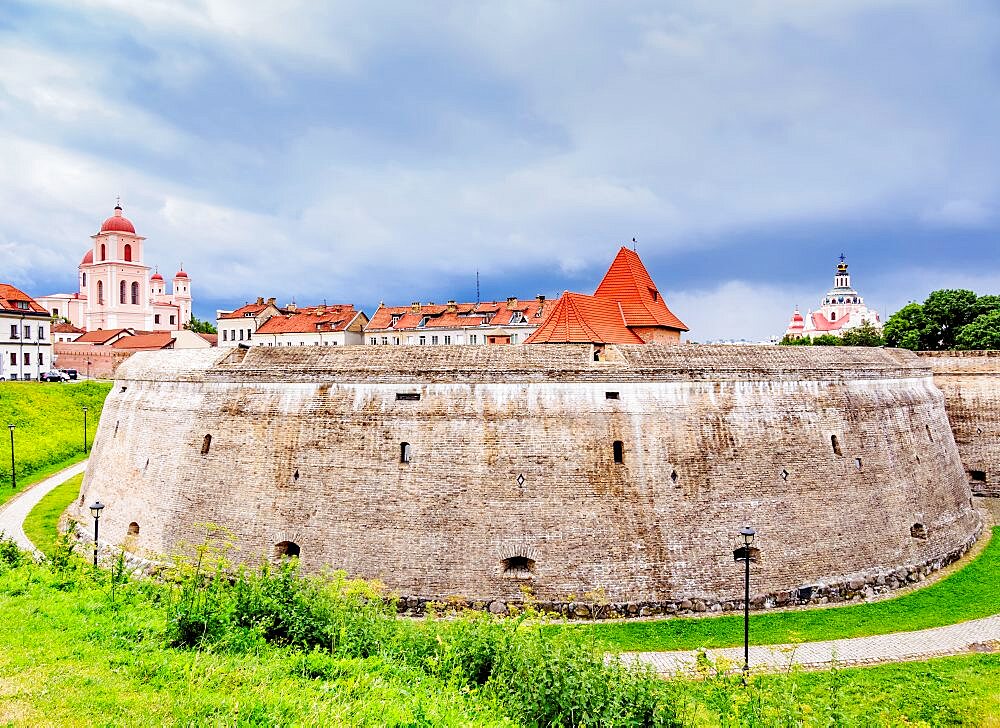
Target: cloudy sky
[{"x": 367, "y": 151}]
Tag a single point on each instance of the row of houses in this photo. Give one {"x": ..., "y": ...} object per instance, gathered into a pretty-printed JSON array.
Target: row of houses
[{"x": 626, "y": 308}]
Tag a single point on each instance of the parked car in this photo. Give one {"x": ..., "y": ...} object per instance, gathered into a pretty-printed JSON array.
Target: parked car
[
  {"x": 54, "y": 375},
  {"x": 71, "y": 373}
]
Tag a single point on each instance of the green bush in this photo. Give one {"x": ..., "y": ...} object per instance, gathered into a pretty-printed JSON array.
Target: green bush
[{"x": 11, "y": 555}]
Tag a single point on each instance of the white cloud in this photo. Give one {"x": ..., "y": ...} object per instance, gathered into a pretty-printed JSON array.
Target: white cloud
[{"x": 738, "y": 309}]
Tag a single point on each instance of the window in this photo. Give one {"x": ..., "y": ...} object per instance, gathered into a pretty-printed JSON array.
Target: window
[
  {"x": 41, "y": 333},
  {"x": 423, "y": 322},
  {"x": 27, "y": 358},
  {"x": 423, "y": 340},
  {"x": 395, "y": 319},
  {"x": 128, "y": 252},
  {"x": 434, "y": 339},
  {"x": 655, "y": 294},
  {"x": 404, "y": 452},
  {"x": 372, "y": 341},
  {"x": 121, "y": 292},
  {"x": 27, "y": 331},
  {"x": 13, "y": 359},
  {"x": 918, "y": 530},
  {"x": 173, "y": 319},
  {"x": 103, "y": 252},
  {"x": 977, "y": 476},
  {"x": 206, "y": 444},
  {"x": 518, "y": 567},
  {"x": 55, "y": 313},
  {"x": 13, "y": 331},
  {"x": 513, "y": 338},
  {"x": 84, "y": 280},
  {"x": 100, "y": 291},
  {"x": 225, "y": 335},
  {"x": 287, "y": 550},
  {"x": 835, "y": 443},
  {"x": 407, "y": 396},
  {"x": 133, "y": 528},
  {"x": 385, "y": 341},
  {"x": 447, "y": 339},
  {"x": 135, "y": 294},
  {"x": 472, "y": 338},
  {"x": 241, "y": 334},
  {"x": 156, "y": 318},
  {"x": 611, "y": 395},
  {"x": 833, "y": 315},
  {"x": 619, "y": 451},
  {"x": 41, "y": 359}
]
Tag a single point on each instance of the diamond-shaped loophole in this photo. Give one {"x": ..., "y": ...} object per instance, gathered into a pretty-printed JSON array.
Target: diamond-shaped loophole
[
  {"x": 673, "y": 475},
  {"x": 784, "y": 474},
  {"x": 520, "y": 480}
]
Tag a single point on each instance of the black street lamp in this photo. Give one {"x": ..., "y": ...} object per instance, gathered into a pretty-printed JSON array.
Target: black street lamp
[
  {"x": 745, "y": 553},
  {"x": 13, "y": 475},
  {"x": 88, "y": 368},
  {"x": 84, "y": 430},
  {"x": 95, "y": 511}
]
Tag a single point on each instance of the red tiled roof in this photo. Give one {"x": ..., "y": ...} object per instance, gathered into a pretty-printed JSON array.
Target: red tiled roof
[
  {"x": 212, "y": 339},
  {"x": 101, "y": 336},
  {"x": 628, "y": 282},
  {"x": 88, "y": 257},
  {"x": 821, "y": 323},
  {"x": 117, "y": 223},
  {"x": 150, "y": 341},
  {"x": 461, "y": 315},
  {"x": 577, "y": 318},
  {"x": 251, "y": 308},
  {"x": 65, "y": 328},
  {"x": 310, "y": 320},
  {"x": 10, "y": 296}
]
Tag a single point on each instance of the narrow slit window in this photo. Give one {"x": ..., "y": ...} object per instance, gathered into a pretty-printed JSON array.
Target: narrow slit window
[
  {"x": 611, "y": 395},
  {"x": 206, "y": 444},
  {"x": 295, "y": 475},
  {"x": 407, "y": 396},
  {"x": 405, "y": 452},
  {"x": 930, "y": 435},
  {"x": 835, "y": 443},
  {"x": 857, "y": 462},
  {"x": 619, "y": 451}
]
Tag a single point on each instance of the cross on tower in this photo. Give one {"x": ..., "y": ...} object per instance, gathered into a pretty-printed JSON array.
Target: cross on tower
[{"x": 842, "y": 257}]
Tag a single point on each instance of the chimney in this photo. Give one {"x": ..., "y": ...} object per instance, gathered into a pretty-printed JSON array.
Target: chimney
[
  {"x": 260, "y": 300},
  {"x": 511, "y": 301},
  {"x": 415, "y": 307},
  {"x": 540, "y": 299},
  {"x": 271, "y": 300},
  {"x": 292, "y": 307},
  {"x": 320, "y": 310},
  {"x": 452, "y": 307}
]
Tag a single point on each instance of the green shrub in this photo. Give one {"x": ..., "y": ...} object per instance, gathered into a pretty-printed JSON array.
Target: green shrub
[{"x": 11, "y": 555}]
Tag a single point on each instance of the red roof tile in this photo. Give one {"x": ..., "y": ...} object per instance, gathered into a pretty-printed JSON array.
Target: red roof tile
[
  {"x": 628, "y": 282},
  {"x": 65, "y": 328},
  {"x": 311, "y": 320},
  {"x": 100, "y": 336},
  {"x": 251, "y": 308},
  {"x": 152, "y": 341},
  {"x": 460, "y": 315},
  {"x": 11, "y": 297}
]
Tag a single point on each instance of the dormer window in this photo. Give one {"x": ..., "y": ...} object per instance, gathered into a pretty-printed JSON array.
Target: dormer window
[
  {"x": 395, "y": 319},
  {"x": 655, "y": 294},
  {"x": 423, "y": 322},
  {"x": 517, "y": 318}
]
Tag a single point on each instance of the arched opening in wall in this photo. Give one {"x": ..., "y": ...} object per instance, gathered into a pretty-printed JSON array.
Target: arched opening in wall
[
  {"x": 84, "y": 280},
  {"x": 100, "y": 292},
  {"x": 835, "y": 444},
  {"x": 121, "y": 292},
  {"x": 104, "y": 252},
  {"x": 404, "y": 452},
  {"x": 286, "y": 550},
  {"x": 133, "y": 529},
  {"x": 206, "y": 444},
  {"x": 128, "y": 253},
  {"x": 618, "y": 450},
  {"x": 918, "y": 530},
  {"x": 857, "y": 463},
  {"x": 135, "y": 294},
  {"x": 518, "y": 567}
]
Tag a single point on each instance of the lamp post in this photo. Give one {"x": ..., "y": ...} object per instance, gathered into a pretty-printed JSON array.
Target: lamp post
[
  {"x": 13, "y": 475},
  {"x": 84, "y": 430},
  {"x": 88, "y": 368},
  {"x": 95, "y": 511},
  {"x": 743, "y": 553}
]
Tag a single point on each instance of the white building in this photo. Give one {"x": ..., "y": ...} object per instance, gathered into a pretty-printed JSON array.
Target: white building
[
  {"x": 339, "y": 325},
  {"x": 239, "y": 326},
  {"x": 489, "y": 322},
  {"x": 25, "y": 335},
  {"x": 116, "y": 289},
  {"x": 842, "y": 309}
]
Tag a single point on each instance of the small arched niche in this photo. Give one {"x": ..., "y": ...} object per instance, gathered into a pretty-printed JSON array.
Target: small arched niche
[
  {"x": 518, "y": 567},
  {"x": 405, "y": 452},
  {"x": 918, "y": 530},
  {"x": 133, "y": 529},
  {"x": 286, "y": 550}
]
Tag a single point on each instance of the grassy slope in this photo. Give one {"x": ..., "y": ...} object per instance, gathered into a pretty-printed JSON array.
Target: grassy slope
[
  {"x": 41, "y": 524},
  {"x": 967, "y": 594},
  {"x": 49, "y": 427}
]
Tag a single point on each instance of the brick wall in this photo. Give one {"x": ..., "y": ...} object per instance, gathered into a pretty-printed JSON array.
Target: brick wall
[
  {"x": 513, "y": 459},
  {"x": 970, "y": 381},
  {"x": 103, "y": 359}
]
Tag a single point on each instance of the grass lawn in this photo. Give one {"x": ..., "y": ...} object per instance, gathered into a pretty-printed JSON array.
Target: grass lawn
[
  {"x": 48, "y": 434},
  {"x": 41, "y": 524},
  {"x": 970, "y": 593}
]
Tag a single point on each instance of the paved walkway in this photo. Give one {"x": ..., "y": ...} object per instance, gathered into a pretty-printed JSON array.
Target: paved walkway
[
  {"x": 13, "y": 513},
  {"x": 977, "y": 635}
]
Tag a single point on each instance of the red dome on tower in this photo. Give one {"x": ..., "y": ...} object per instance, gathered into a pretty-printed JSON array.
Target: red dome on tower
[
  {"x": 118, "y": 223},
  {"x": 156, "y": 277},
  {"x": 88, "y": 258},
  {"x": 181, "y": 274}
]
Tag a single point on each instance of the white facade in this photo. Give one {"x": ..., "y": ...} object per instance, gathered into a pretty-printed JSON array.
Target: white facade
[
  {"x": 842, "y": 309},
  {"x": 238, "y": 326},
  {"x": 25, "y": 339}
]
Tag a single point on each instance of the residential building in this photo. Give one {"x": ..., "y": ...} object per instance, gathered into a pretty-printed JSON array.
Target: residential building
[
  {"x": 25, "y": 335},
  {"x": 841, "y": 309},
  {"x": 239, "y": 326},
  {"x": 626, "y": 308},
  {"x": 63, "y": 332},
  {"x": 339, "y": 325},
  {"x": 428, "y": 324},
  {"x": 116, "y": 289}
]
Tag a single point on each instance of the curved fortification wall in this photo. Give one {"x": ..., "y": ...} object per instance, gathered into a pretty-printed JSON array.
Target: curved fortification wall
[
  {"x": 842, "y": 459},
  {"x": 970, "y": 381}
]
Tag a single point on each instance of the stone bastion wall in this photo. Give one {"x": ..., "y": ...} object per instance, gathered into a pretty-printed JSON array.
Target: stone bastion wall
[
  {"x": 970, "y": 381},
  {"x": 620, "y": 482}
]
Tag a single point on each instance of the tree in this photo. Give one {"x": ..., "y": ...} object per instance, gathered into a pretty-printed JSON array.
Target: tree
[
  {"x": 826, "y": 340},
  {"x": 908, "y": 328},
  {"x": 947, "y": 311},
  {"x": 863, "y": 335},
  {"x": 986, "y": 304},
  {"x": 795, "y": 341},
  {"x": 200, "y": 327},
  {"x": 982, "y": 333}
]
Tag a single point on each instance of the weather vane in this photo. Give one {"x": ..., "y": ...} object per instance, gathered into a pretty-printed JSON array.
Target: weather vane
[{"x": 842, "y": 257}]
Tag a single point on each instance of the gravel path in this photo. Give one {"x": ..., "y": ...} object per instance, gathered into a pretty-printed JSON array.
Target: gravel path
[
  {"x": 977, "y": 635},
  {"x": 13, "y": 513}
]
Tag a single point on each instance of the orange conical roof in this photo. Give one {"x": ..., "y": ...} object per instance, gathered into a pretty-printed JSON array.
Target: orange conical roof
[{"x": 629, "y": 283}]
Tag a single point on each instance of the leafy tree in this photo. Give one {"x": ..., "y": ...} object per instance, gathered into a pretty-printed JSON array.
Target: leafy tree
[
  {"x": 982, "y": 333},
  {"x": 986, "y": 304},
  {"x": 863, "y": 335},
  {"x": 200, "y": 327},
  {"x": 795, "y": 341},
  {"x": 947, "y": 311},
  {"x": 826, "y": 340},
  {"x": 908, "y": 328}
]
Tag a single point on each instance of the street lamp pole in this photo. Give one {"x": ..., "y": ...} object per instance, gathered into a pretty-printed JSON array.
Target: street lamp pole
[
  {"x": 88, "y": 368},
  {"x": 84, "y": 430},
  {"x": 748, "y": 535},
  {"x": 95, "y": 510},
  {"x": 13, "y": 475}
]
